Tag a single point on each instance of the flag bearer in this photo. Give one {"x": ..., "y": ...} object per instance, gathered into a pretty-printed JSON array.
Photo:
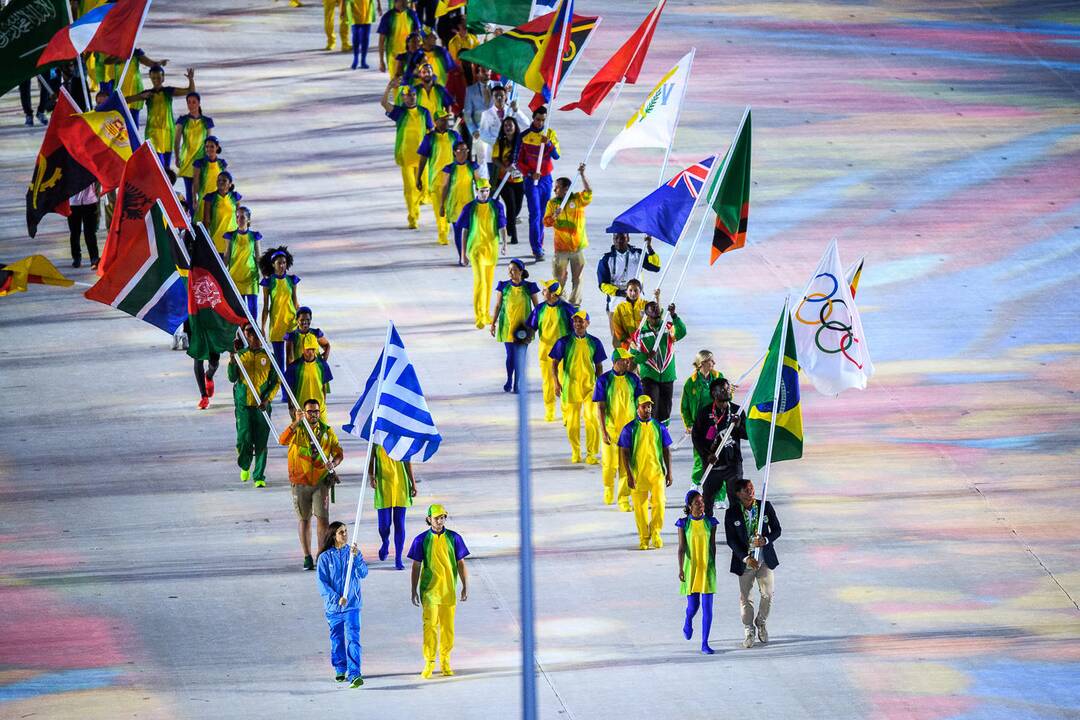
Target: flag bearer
[
  {"x": 695, "y": 397},
  {"x": 655, "y": 356},
  {"x": 568, "y": 223},
  {"x": 252, "y": 429}
]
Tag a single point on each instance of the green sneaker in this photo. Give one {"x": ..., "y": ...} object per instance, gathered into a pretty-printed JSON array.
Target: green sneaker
[
  {"x": 340, "y": 677},
  {"x": 356, "y": 682},
  {"x": 309, "y": 563},
  {"x": 259, "y": 483},
  {"x": 245, "y": 475}
]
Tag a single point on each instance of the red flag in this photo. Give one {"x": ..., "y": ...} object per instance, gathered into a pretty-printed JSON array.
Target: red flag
[
  {"x": 99, "y": 142},
  {"x": 143, "y": 184},
  {"x": 57, "y": 175},
  {"x": 110, "y": 29},
  {"x": 624, "y": 64}
]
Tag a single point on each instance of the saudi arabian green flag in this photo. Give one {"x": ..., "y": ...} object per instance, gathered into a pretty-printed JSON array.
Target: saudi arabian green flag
[
  {"x": 788, "y": 435},
  {"x": 26, "y": 27},
  {"x": 499, "y": 12}
]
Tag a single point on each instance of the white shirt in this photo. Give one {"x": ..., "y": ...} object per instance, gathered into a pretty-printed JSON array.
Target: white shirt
[{"x": 87, "y": 197}]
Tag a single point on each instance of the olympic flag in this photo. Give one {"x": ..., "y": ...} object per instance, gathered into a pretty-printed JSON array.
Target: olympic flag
[{"x": 828, "y": 331}]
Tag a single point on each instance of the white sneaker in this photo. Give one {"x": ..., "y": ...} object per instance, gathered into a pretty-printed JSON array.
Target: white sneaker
[
  {"x": 762, "y": 634},
  {"x": 748, "y": 640}
]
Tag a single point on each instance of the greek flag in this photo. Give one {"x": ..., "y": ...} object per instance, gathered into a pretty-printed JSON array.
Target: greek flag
[{"x": 403, "y": 425}]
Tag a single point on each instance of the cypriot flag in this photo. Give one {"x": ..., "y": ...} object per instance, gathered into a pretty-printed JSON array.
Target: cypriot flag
[
  {"x": 653, "y": 125},
  {"x": 828, "y": 331}
]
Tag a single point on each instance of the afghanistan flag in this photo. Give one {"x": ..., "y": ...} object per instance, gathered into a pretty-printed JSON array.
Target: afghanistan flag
[
  {"x": 57, "y": 176},
  {"x": 36, "y": 269},
  {"x": 143, "y": 280},
  {"x": 26, "y": 26},
  {"x": 788, "y": 434},
  {"x": 214, "y": 307},
  {"x": 516, "y": 54},
  {"x": 731, "y": 194}
]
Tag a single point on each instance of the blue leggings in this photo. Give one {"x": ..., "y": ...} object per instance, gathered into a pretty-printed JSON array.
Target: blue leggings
[
  {"x": 511, "y": 368},
  {"x": 397, "y": 516},
  {"x": 279, "y": 355},
  {"x": 361, "y": 36},
  {"x": 693, "y": 602},
  {"x": 345, "y": 650},
  {"x": 165, "y": 158},
  {"x": 253, "y": 306}
]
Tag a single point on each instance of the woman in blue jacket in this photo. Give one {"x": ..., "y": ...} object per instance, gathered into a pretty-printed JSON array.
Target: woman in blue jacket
[{"x": 342, "y": 613}]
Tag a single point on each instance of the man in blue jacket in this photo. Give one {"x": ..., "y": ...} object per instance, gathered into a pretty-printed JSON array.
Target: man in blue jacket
[{"x": 747, "y": 531}]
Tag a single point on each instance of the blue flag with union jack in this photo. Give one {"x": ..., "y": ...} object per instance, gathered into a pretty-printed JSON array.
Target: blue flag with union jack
[{"x": 663, "y": 212}]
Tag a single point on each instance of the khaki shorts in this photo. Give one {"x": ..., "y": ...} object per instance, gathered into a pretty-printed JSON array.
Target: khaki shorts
[
  {"x": 562, "y": 259},
  {"x": 308, "y": 499}
]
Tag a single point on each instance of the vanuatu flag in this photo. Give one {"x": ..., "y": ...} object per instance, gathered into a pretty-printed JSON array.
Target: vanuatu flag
[
  {"x": 57, "y": 175},
  {"x": 788, "y": 434},
  {"x": 143, "y": 280},
  {"x": 527, "y": 52},
  {"x": 214, "y": 307},
  {"x": 731, "y": 194}
]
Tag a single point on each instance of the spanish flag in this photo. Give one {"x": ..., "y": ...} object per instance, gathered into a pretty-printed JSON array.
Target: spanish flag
[
  {"x": 34, "y": 269},
  {"x": 100, "y": 141},
  {"x": 777, "y": 404}
]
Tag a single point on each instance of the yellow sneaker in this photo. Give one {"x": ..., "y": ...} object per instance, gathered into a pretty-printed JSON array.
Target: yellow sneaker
[
  {"x": 643, "y": 545},
  {"x": 445, "y": 668},
  {"x": 480, "y": 324},
  {"x": 592, "y": 460},
  {"x": 656, "y": 541},
  {"x": 609, "y": 496},
  {"x": 575, "y": 458},
  {"x": 549, "y": 416},
  {"x": 428, "y": 669}
]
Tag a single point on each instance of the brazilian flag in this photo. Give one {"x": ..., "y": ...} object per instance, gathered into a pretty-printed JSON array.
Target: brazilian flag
[{"x": 788, "y": 433}]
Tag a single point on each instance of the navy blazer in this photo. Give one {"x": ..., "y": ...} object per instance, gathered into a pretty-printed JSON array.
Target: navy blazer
[{"x": 739, "y": 541}]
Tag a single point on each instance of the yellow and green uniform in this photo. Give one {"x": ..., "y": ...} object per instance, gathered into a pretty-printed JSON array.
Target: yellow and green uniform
[
  {"x": 699, "y": 561},
  {"x": 619, "y": 393},
  {"x": 578, "y": 358},
  {"x": 305, "y": 465},
  {"x": 457, "y": 44},
  {"x": 160, "y": 123},
  {"x": 99, "y": 70},
  {"x": 695, "y": 397},
  {"x": 569, "y": 223},
  {"x": 132, "y": 84},
  {"x": 625, "y": 320},
  {"x": 412, "y": 125},
  {"x": 360, "y": 12},
  {"x": 438, "y": 147},
  {"x": 479, "y": 224},
  {"x": 332, "y": 9},
  {"x": 396, "y": 25},
  {"x": 310, "y": 381},
  {"x": 208, "y": 175},
  {"x": 550, "y": 322},
  {"x": 514, "y": 309},
  {"x": 434, "y": 99},
  {"x": 438, "y": 554},
  {"x": 646, "y": 441},
  {"x": 193, "y": 133},
  {"x": 459, "y": 178},
  {"x": 440, "y": 61},
  {"x": 280, "y": 305},
  {"x": 252, "y": 430},
  {"x": 222, "y": 216},
  {"x": 242, "y": 260},
  {"x": 393, "y": 486}
]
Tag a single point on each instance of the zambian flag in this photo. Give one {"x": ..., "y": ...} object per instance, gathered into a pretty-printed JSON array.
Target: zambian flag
[
  {"x": 788, "y": 435},
  {"x": 731, "y": 194},
  {"x": 516, "y": 54},
  {"x": 214, "y": 307}
]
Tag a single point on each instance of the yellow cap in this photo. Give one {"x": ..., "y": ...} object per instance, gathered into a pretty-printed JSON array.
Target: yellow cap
[
  {"x": 310, "y": 341},
  {"x": 482, "y": 183},
  {"x": 582, "y": 314},
  {"x": 436, "y": 510},
  {"x": 623, "y": 354},
  {"x": 642, "y": 399},
  {"x": 553, "y": 286}
]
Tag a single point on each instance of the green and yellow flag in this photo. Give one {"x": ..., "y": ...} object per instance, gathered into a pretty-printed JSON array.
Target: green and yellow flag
[{"x": 788, "y": 435}]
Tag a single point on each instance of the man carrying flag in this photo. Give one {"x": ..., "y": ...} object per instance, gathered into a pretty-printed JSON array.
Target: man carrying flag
[
  {"x": 57, "y": 175},
  {"x": 252, "y": 428}
]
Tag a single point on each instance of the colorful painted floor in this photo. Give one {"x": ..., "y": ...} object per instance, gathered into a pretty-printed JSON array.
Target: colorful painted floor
[{"x": 930, "y": 551}]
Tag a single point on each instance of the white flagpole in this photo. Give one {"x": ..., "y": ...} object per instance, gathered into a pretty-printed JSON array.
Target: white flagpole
[
  {"x": 269, "y": 355},
  {"x": 120, "y": 80},
  {"x": 678, "y": 114},
  {"x": 370, "y": 450},
  {"x": 79, "y": 64},
  {"x": 781, "y": 354},
  {"x": 712, "y": 197}
]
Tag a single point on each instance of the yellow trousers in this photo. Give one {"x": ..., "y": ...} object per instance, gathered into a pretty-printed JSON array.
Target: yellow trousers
[
  {"x": 438, "y": 631},
  {"x": 547, "y": 382},
  {"x": 412, "y": 195},
  {"x": 442, "y": 222},
  {"x": 612, "y": 467},
  {"x": 572, "y": 412},
  {"x": 648, "y": 491},
  {"x": 330, "y": 8},
  {"x": 483, "y": 279}
]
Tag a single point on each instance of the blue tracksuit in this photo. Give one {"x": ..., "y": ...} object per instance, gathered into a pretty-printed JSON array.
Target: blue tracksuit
[{"x": 345, "y": 651}]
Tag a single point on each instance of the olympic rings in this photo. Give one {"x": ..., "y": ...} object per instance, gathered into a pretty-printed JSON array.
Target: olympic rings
[{"x": 825, "y": 321}]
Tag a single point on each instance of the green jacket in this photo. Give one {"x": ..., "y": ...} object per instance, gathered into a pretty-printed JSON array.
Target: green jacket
[
  {"x": 695, "y": 395},
  {"x": 655, "y": 352}
]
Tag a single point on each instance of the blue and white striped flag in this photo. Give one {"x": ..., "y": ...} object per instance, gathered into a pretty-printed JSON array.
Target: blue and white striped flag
[{"x": 404, "y": 427}]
